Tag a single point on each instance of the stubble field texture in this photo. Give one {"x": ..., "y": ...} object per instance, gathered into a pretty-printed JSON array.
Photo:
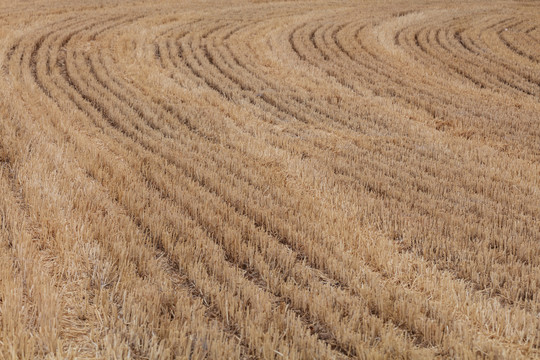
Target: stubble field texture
[{"x": 269, "y": 180}]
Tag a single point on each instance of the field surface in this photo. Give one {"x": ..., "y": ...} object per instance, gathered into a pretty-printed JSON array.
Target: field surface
[{"x": 269, "y": 180}]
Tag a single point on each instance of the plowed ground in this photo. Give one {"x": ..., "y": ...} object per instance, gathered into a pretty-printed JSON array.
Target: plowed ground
[{"x": 298, "y": 180}]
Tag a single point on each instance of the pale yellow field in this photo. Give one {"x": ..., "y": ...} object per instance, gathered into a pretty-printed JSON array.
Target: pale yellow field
[{"x": 269, "y": 180}]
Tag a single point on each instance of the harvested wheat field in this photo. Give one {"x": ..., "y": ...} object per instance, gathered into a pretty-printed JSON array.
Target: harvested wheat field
[{"x": 269, "y": 180}]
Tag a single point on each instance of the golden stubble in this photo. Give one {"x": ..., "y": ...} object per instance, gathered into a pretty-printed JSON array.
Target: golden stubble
[{"x": 269, "y": 180}]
